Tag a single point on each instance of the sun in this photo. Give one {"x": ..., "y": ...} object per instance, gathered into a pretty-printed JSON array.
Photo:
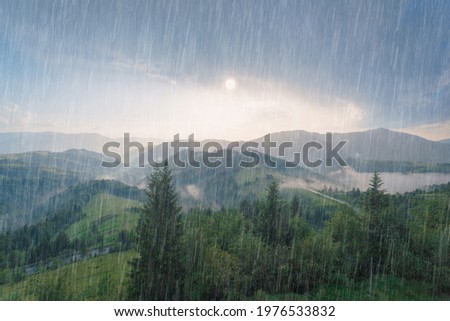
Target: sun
[{"x": 230, "y": 84}]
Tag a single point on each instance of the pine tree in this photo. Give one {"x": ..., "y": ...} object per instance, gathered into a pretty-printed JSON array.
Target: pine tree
[
  {"x": 270, "y": 218},
  {"x": 375, "y": 204},
  {"x": 157, "y": 272},
  {"x": 375, "y": 199},
  {"x": 295, "y": 205}
]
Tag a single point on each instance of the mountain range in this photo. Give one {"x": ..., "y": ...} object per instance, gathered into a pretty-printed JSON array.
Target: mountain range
[
  {"x": 34, "y": 170},
  {"x": 20, "y": 142},
  {"x": 374, "y": 145}
]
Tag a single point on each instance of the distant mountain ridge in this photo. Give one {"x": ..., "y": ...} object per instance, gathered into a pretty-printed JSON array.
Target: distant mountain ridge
[
  {"x": 377, "y": 145},
  {"x": 22, "y": 142},
  {"x": 372, "y": 145},
  {"x": 29, "y": 180}
]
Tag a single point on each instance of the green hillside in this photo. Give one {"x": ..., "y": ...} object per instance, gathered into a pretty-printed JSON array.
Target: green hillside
[
  {"x": 106, "y": 215},
  {"x": 100, "y": 278},
  {"x": 29, "y": 180},
  {"x": 90, "y": 219}
]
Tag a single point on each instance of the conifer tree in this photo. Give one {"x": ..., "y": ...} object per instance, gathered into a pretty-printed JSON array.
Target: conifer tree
[
  {"x": 295, "y": 205},
  {"x": 271, "y": 214},
  {"x": 375, "y": 199},
  {"x": 157, "y": 272},
  {"x": 376, "y": 204}
]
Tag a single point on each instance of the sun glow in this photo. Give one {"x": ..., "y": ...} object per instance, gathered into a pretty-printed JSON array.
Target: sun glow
[{"x": 230, "y": 84}]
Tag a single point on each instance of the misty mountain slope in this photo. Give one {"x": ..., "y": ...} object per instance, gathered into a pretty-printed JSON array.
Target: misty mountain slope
[
  {"x": 80, "y": 163},
  {"x": 227, "y": 186},
  {"x": 29, "y": 180},
  {"x": 445, "y": 141},
  {"x": 62, "y": 199}
]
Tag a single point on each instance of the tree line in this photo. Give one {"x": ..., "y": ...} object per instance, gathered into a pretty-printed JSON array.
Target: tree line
[{"x": 270, "y": 247}]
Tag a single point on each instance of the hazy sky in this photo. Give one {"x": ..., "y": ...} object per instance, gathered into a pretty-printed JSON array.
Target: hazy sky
[{"x": 157, "y": 68}]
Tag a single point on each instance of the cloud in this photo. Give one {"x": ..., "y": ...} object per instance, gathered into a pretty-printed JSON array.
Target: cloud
[
  {"x": 129, "y": 65},
  {"x": 149, "y": 107},
  {"x": 350, "y": 109},
  {"x": 151, "y": 71},
  {"x": 14, "y": 117},
  {"x": 253, "y": 109},
  {"x": 155, "y": 76}
]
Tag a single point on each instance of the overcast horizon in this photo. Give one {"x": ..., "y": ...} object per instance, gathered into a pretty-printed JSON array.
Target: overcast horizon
[{"x": 224, "y": 69}]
